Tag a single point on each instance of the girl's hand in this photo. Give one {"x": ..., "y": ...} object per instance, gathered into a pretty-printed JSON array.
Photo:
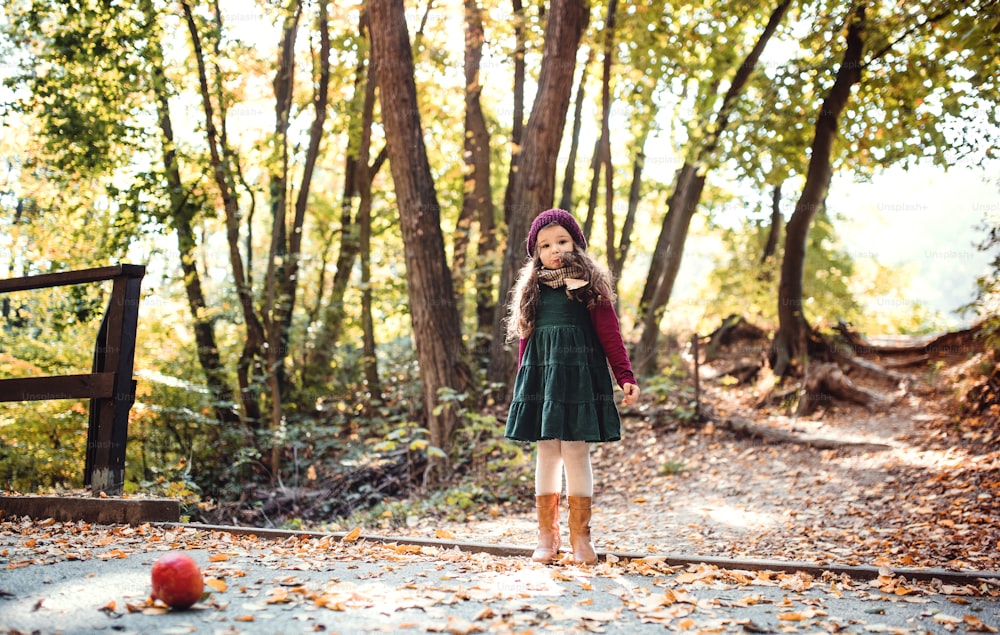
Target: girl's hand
[{"x": 631, "y": 394}]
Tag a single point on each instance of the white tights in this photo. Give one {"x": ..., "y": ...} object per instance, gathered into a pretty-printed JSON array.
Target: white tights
[{"x": 553, "y": 456}]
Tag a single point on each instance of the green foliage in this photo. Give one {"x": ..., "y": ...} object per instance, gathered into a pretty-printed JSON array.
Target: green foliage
[
  {"x": 670, "y": 383},
  {"x": 85, "y": 185},
  {"x": 673, "y": 467},
  {"x": 42, "y": 445},
  {"x": 479, "y": 449},
  {"x": 489, "y": 470},
  {"x": 81, "y": 122},
  {"x": 46, "y": 332},
  {"x": 986, "y": 305},
  {"x": 745, "y": 283}
]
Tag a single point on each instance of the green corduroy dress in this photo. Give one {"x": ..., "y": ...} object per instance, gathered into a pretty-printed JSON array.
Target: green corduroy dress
[{"x": 563, "y": 388}]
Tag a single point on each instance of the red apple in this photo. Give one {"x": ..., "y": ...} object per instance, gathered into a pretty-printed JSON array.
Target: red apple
[{"x": 177, "y": 580}]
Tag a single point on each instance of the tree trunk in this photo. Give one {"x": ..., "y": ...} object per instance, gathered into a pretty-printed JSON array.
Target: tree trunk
[
  {"x": 364, "y": 188},
  {"x": 633, "y": 206},
  {"x": 659, "y": 255},
  {"x": 825, "y": 382},
  {"x": 433, "y": 314},
  {"x": 477, "y": 202},
  {"x": 689, "y": 186},
  {"x": 682, "y": 207},
  {"x": 319, "y": 101},
  {"x": 609, "y": 188},
  {"x": 569, "y": 176},
  {"x": 595, "y": 185},
  {"x": 277, "y": 263},
  {"x": 791, "y": 340},
  {"x": 517, "y": 120},
  {"x": 316, "y": 371},
  {"x": 534, "y": 188},
  {"x": 220, "y": 157},
  {"x": 182, "y": 213},
  {"x": 602, "y": 147},
  {"x": 774, "y": 231},
  {"x": 480, "y": 199}
]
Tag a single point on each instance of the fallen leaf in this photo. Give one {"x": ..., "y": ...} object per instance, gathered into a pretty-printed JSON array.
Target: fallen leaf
[
  {"x": 976, "y": 625},
  {"x": 353, "y": 535}
]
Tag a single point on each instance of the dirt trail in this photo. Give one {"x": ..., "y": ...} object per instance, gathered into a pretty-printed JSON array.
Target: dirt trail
[{"x": 911, "y": 486}]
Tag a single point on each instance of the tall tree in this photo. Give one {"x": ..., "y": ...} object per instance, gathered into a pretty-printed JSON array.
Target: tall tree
[
  {"x": 364, "y": 188},
  {"x": 791, "y": 340},
  {"x": 517, "y": 119},
  {"x": 283, "y": 265},
  {"x": 185, "y": 205},
  {"x": 902, "y": 72},
  {"x": 683, "y": 202},
  {"x": 331, "y": 310},
  {"x": 534, "y": 188},
  {"x": 477, "y": 199},
  {"x": 222, "y": 161},
  {"x": 433, "y": 314},
  {"x": 602, "y": 148},
  {"x": 569, "y": 175}
]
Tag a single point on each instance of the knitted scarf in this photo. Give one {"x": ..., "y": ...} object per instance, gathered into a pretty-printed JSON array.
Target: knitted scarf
[{"x": 571, "y": 277}]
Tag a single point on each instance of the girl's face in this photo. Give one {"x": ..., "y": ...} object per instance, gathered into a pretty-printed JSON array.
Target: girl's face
[{"x": 553, "y": 241}]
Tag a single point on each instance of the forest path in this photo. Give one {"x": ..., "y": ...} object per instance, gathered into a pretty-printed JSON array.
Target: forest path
[{"x": 914, "y": 485}]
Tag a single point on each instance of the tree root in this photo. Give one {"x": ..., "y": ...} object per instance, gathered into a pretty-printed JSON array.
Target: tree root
[
  {"x": 733, "y": 328},
  {"x": 825, "y": 381},
  {"x": 766, "y": 434}
]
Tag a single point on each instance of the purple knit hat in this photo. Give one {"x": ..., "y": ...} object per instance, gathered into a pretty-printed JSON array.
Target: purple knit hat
[{"x": 560, "y": 217}]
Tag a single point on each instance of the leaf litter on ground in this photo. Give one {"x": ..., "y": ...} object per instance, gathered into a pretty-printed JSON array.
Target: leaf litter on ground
[{"x": 517, "y": 595}]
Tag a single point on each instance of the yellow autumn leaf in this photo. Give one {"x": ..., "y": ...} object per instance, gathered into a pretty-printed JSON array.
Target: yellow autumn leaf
[
  {"x": 218, "y": 557},
  {"x": 353, "y": 535},
  {"x": 217, "y": 584},
  {"x": 243, "y": 618},
  {"x": 444, "y": 534}
]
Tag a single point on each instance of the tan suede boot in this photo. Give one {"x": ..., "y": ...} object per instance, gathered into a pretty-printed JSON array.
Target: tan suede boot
[
  {"x": 547, "y": 508},
  {"x": 579, "y": 530}
]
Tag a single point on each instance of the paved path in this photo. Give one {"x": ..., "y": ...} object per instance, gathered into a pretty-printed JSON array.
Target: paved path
[{"x": 97, "y": 580}]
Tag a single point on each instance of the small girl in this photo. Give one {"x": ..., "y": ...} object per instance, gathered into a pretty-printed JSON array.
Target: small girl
[{"x": 562, "y": 311}]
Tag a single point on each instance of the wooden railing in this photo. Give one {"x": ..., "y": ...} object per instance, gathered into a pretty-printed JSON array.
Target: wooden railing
[{"x": 109, "y": 386}]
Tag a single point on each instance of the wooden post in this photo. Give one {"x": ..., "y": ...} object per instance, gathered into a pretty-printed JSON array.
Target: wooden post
[
  {"x": 697, "y": 374},
  {"x": 114, "y": 351}
]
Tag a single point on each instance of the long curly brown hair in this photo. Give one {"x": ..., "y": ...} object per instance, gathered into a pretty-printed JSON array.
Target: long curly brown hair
[{"x": 523, "y": 303}]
